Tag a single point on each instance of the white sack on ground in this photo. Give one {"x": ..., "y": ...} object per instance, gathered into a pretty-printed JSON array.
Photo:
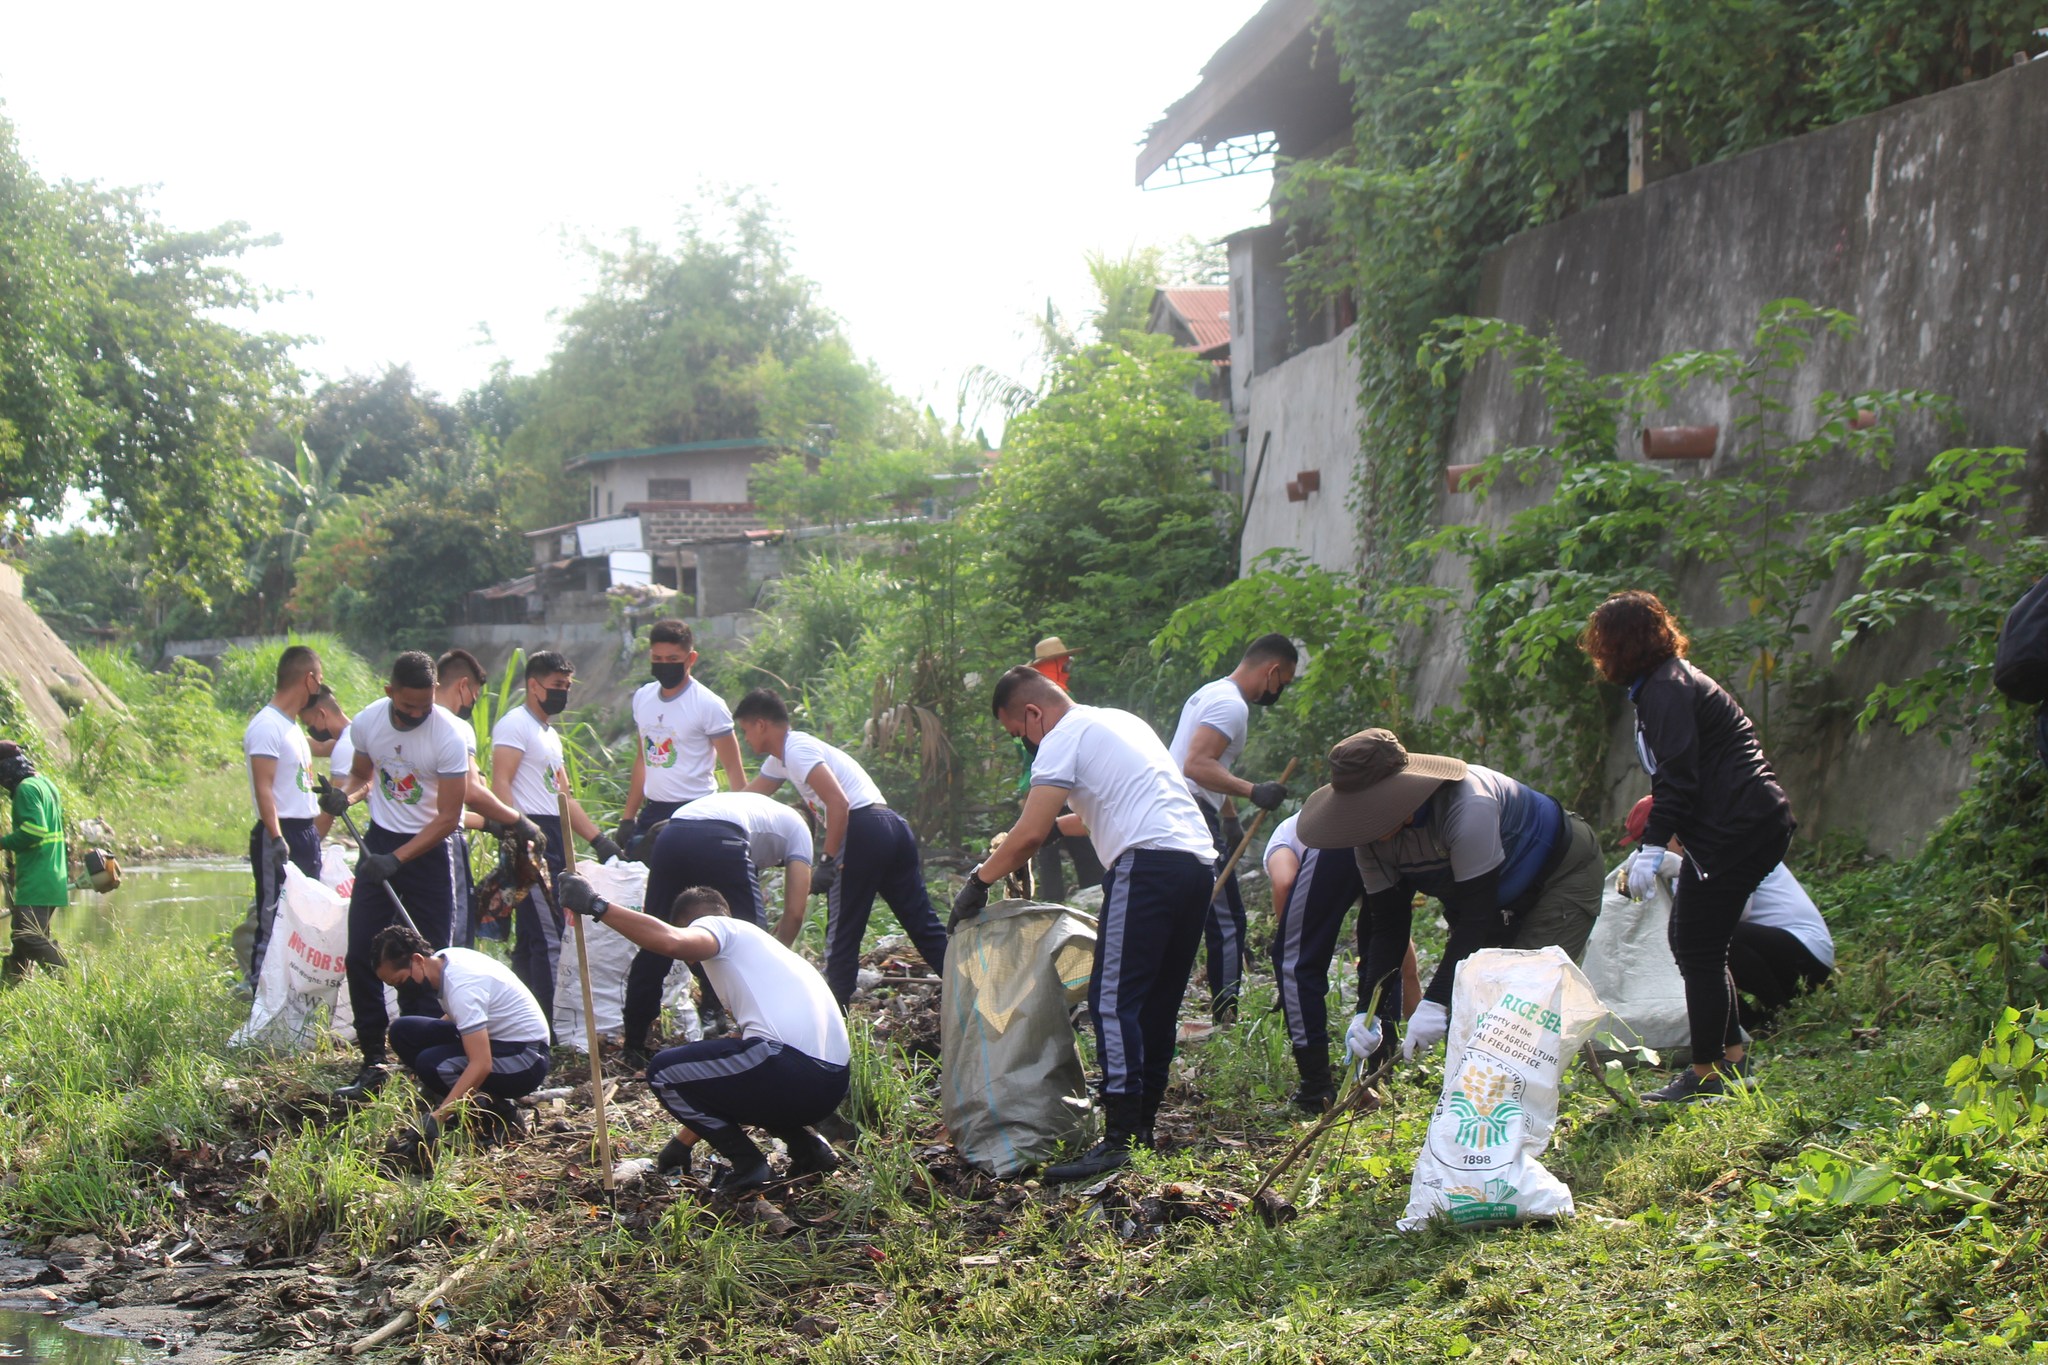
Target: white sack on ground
[
  {"x": 303, "y": 968},
  {"x": 1009, "y": 1076},
  {"x": 1517, "y": 1017},
  {"x": 611, "y": 956},
  {"x": 1629, "y": 964}
]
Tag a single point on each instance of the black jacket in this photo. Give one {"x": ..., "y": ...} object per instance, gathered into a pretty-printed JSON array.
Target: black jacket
[{"x": 1713, "y": 786}]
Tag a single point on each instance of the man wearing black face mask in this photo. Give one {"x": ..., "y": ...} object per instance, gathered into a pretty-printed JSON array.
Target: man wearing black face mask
[
  {"x": 458, "y": 683},
  {"x": 1207, "y": 741},
  {"x": 685, "y": 732},
  {"x": 281, "y": 785},
  {"x": 526, "y": 772},
  {"x": 327, "y": 735}
]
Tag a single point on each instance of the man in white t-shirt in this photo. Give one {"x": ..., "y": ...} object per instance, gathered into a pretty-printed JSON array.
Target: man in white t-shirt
[
  {"x": 489, "y": 1047},
  {"x": 327, "y": 732},
  {"x": 722, "y": 841},
  {"x": 684, "y": 731},
  {"x": 458, "y": 686},
  {"x": 867, "y": 850},
  {"x": 527, "y": 774},
  {"x": 281, "y": 785},
  {"x": 1206, "y": 742},
  {"x": 410, "y": 765},
  {"x": 782, "y": 1068},
  {"x": 1129, "y": 794}
]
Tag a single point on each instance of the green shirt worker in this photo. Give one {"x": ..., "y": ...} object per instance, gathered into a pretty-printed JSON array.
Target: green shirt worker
[{"x": 36, "y": 844}]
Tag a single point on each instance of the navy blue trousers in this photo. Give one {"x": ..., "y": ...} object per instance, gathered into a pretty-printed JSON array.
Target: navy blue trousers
[
  {"x": 427, "y": 885},
  {"x": 734, "y": 1082},
  {"x": 1305, "y": 939},
  {"x": 651, "y": 814},
  {"x": 881, "y": 858},
  {"x": 463, "y": 930},
  {"x": 537, "y": 926},
  {"x": 688, "y": 853},
  {"x": 432, "y": 1050},
  {"x": 304, "y": 842},
  {"x": 1153, "y": 903},
  {"x": 1224, "y": 929}
]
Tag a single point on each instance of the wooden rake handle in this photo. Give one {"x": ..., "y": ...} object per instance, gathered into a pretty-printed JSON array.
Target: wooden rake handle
[{"x": 590, "y": 1038}]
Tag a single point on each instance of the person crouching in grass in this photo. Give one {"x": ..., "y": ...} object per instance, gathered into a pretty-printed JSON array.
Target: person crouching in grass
[{"x": 784, "y": 1066}]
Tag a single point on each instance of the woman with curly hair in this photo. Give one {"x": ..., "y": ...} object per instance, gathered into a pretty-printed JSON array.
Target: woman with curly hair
[{"x": 1716, "y": 792}]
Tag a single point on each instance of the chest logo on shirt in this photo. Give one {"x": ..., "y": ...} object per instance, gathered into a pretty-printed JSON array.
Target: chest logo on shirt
[
  {"x": 302, "y": 779},
  {"x": 405, "y": 791},
  {"x": 661, "y": 753}
]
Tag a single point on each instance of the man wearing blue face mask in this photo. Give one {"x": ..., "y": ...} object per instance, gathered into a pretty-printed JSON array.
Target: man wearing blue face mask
[
  {"x": 1207, "y": 741},
  {"x": 412, "y": 768},
  {"x": 527, "y": 772}
]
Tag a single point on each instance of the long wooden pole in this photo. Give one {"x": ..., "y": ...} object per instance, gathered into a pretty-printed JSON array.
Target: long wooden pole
[
  {"x": 590, "y": 1038},
  {"x": 1251, "y": 829}
]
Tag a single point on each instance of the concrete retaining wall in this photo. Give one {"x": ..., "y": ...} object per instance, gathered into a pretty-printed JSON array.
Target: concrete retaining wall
[{"x": 1309, "y": 403}]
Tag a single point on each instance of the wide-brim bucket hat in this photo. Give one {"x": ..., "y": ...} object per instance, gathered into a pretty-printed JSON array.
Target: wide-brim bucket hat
[{"x": 1374, "y": 785}]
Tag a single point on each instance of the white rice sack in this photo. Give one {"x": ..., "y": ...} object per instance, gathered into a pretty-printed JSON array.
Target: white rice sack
[
  {"x": 1516, "y": 1019},
  {"x": 611, "y": 957}
]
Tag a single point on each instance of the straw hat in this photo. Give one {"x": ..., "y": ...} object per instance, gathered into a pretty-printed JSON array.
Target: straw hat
[
  {"x": 1051, "y": 647},
  {"x": 1375, "y": 784}
]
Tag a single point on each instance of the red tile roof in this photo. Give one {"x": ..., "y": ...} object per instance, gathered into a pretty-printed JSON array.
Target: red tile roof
[{"x": 1205, "y": 311}]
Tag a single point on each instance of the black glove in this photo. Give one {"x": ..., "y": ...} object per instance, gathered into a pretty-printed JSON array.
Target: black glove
[
  {"x": 333, "y": 800},
  {"x": 824, "y": 875},
  {"x": 1233, "y": 830},
  {"x": 276, "y": 853},
  {"x": 579, "y": 896},
  {"x": 625, "y": 834},
  {"x": 523, "y": 829},
  {"x": 1268, "y": 795},
  {"x": 969, "y": 900},
  {"x": 606, "y": 849},
  {"x": 375, "y": 868}
]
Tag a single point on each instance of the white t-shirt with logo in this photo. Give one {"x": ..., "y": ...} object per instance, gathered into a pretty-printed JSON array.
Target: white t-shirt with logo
[
  {"x": 406, "y": 765},
  {"x": 802, "y": 753},
  {"x": 675, "y": 739},
  {"x": 480, "y": 992},
  {"x": 1123, "y": 783},
  {"x": 775, "y": 834},
  {"x": 1221, "y": 707},
  {"x": 463, "y": 728},
  {"x": 772, "y": 993},
  {"x": 273, "y": 734},
  {"x": 540, "y": 765},
  {"x": 344, "y": 756},
  {"x": 1781, "y": 902}
]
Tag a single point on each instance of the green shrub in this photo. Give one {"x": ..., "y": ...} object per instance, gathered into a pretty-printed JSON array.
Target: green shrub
[{"x": 247, "y": 678}]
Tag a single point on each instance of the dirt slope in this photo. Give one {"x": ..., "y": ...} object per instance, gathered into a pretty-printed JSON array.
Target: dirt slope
[{"x": 36, "y": 660}]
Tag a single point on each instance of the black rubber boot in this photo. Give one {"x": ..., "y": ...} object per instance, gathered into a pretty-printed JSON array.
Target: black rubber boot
[
  {"x": 809, "y": 1154},
  {"x": 497, "y": 1121},
  {"x": 1148, "y": 1115},
  {"x": 749, "y": 1168},
  {"x": 1318, "y": 1091},
  {"x": 675, "y": 1156},
  {"x": 1122, "y": 1117},
  {"x": 364, "y": 1087}
]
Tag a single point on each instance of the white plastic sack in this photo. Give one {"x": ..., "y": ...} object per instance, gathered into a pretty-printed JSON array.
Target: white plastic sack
[
  {"x": 1010, "y": 1079},
  {"x": 1629, "y": 963},
  {"x": 303, "y": 967},
  {"x": 1517, "y": 1016},
  {"x": 611, "y": 956}
]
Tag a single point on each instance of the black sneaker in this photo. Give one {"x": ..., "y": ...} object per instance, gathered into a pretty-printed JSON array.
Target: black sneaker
[
  {"x": 364, "y": 1087},
  {"x": 1687, "y": 1086},
  {"x": 498, "y": 1121},
  {"x": 809, "y": 1154}
]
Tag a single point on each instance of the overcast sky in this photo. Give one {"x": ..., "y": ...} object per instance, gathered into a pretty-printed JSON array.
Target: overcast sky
[{"x": 429, "y": 168}]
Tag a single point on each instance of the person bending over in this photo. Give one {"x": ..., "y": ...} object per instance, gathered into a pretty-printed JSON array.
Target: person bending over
[
  {"x": 781, "y": 1069},
  {"x": 1714, "y": 789},
  {"x": 490, "y": 1048}
]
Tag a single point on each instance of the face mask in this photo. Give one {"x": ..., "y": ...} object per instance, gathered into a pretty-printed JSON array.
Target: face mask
[
  {"x": 463, "y": 714},
  {"x": 319, "y": 734},
  {"x": 670, "y": 675},
  {"x": 1269, "y": 696},
  {"x": 401, "y": 721},
  {"x": 1030, "y": 749},
  {"x": 552, "y": 703}
]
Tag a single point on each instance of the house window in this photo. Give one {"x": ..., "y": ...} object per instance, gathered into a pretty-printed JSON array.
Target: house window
[{"x": 668, "y": 490}]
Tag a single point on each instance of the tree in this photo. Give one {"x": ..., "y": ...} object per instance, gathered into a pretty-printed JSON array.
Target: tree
[
  {"x": 1123, "y": 303},
  {"x": 383, "y": 425}
]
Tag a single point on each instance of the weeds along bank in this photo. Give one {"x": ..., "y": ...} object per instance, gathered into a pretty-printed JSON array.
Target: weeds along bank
[{"x": 1880, "y": 1199}]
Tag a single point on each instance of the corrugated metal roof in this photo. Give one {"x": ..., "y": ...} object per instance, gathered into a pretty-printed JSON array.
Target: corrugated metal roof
[
  {"x": 1206, "y": 313},
  {"x": 686, "y": 448}
]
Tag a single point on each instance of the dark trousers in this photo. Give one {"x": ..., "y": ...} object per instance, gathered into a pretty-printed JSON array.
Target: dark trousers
[
  {"x": 733, "y": 1082},
  {"x": 1305, "y": 939},
  {"x": 1223, "y": 931},
  {"x": 1770, "y": 966},
  {"x": 427, "y": 887},
  {"x": 688, "y": 853},
  {"x": 33, "y": 941},
  {"x": 462, "y": 928},
  {"x": 1051, "y": 873},
  {"x": 537, "y": 926},
  {"x": 432, "y": 1050},
  {"x": 1153, "y": 903},
  {"x": 1704, "y": 913},
  {"x": 881, "y": 858},
  {"x": 304, "y": 842},
  {"x": 651, "y": 814}
]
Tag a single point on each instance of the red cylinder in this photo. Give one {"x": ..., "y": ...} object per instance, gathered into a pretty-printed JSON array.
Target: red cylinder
[{"x": 1680, "y": 443}]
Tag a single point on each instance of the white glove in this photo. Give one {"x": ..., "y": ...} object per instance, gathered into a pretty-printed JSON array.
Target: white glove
[
  {"x": 1428, "y": 1026},
  {"x": 1642, "y": 870},
  {"x": 1362, "y": 1039}
]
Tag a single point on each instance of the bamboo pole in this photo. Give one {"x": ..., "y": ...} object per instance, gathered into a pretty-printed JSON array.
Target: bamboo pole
[
  {"x": 1230, "y": 865},
  {"x": 590, "y": 1038}
]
